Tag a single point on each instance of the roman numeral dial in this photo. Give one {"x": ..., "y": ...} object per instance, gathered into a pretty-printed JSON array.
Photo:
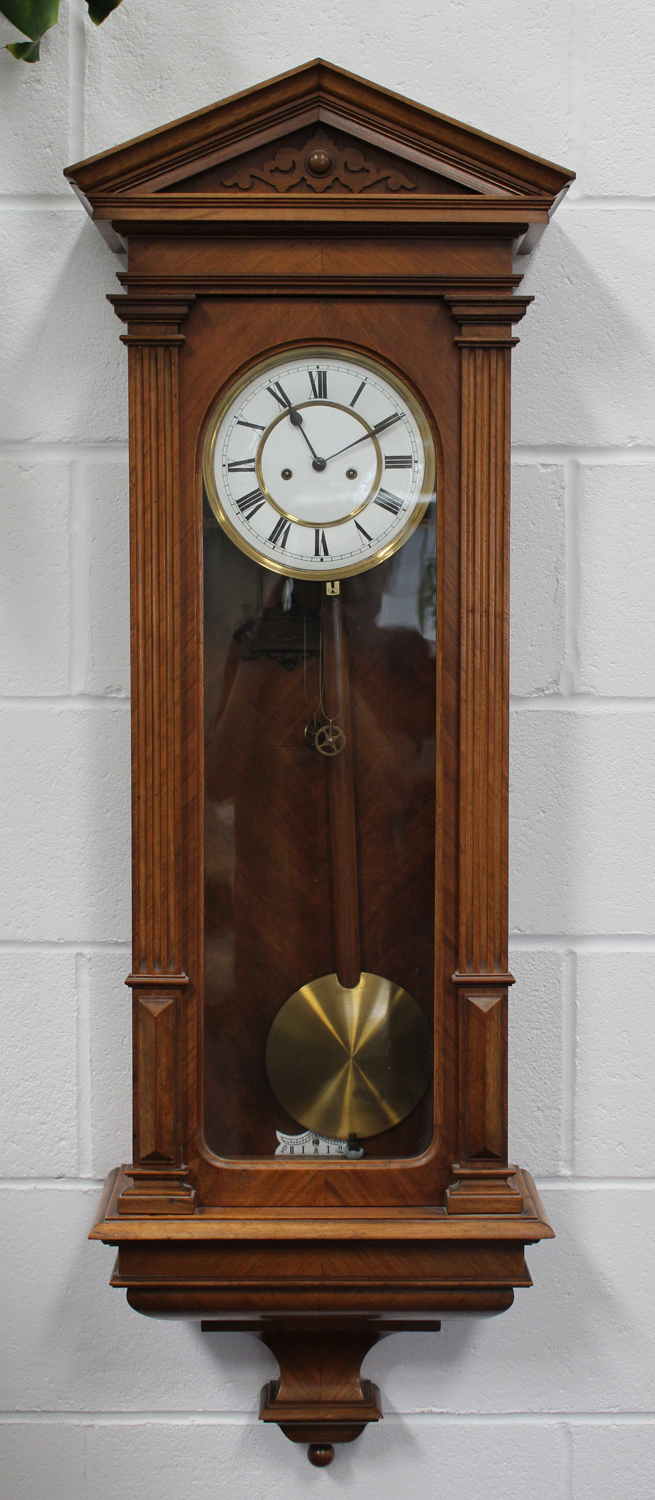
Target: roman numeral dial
[
  {"x": 318, "y": 383},
  {"x": 316, "y": 431},
  {"x": 388, "y": 502}
]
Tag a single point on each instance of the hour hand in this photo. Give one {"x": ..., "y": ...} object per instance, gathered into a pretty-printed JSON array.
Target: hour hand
[
  {"x": 379, "y": 427},
  {"x": 297, "y": 421}
]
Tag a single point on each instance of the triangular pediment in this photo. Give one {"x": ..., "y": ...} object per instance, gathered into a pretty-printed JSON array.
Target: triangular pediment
[
  {"x": 316, "y": 160},
  {"x": 363, "y": 139}
]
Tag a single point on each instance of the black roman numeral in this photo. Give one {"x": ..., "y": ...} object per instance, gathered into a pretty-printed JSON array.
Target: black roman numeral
[
  {"x": 358, "y": 393},
  {"x": 280, "y": 533},
  {"x": 362, "y": 532},
  {"x": 242, "y": 466},
  {"x": 249, "y": 504},
  {"x": 388, "y": 502},
  {"x": 398, "y": 461},
  {"x": 256, "y": 426},
  {"x": 320, "y": 544},
  {"x": 281, "y": 398},
  {"x": 318, "y": 385}
]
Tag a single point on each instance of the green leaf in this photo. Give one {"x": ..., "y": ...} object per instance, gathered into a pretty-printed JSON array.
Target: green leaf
[
  {"x": 100, "y": 9},
  {"x": 25, "y": 51},
  {"x": 32, "y": 17}
]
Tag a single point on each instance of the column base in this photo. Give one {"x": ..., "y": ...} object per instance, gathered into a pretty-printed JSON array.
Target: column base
[
  {"x": 483, "y": 1188},
  {"x": 162, "y": 1191}
]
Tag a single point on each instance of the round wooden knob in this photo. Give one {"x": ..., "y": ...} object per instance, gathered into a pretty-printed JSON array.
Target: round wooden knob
[
  {"x": 320, "y": 1454},
  {"x": 319, "y": 163}
]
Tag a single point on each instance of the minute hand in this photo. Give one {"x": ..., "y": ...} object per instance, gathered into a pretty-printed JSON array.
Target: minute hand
[{"x": 380, "y": 427}]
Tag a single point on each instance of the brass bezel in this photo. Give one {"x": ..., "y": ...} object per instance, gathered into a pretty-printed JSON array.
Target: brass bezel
[{"x": 317, "y": 352}]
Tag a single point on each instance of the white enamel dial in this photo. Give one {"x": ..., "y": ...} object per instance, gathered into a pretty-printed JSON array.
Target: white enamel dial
[{"x": 319, "y": 463}]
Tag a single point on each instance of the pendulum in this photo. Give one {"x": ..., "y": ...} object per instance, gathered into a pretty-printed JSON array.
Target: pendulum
[{"x": 349, "y": 1052}]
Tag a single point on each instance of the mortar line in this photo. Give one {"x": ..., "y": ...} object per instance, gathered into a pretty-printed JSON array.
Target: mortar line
[
  {"x": 584, "y": 703},
  {"x": 571, "y": 668},
  {"x": 79, "y": 650},
  {"x": 601, "y": 455},
  {"x": 44, "y": 945},
  {"x": 238, "y": 1418},
  {"x": 601, "y": 942},
  {"x": 84, "y": 1119},
  {"x": 76, "y": 71},
  {"x": 523, "y": 454},
  {"x": 565, "y": 1484},
  {"x": 569, "y": 1017},
  {"x": 595, "y": 1184},
  {"x": 57, "y": 1184},
  {"x": 614, "y": 202},
  {"x": 68, "y": 702},
  {"x": 576, "y": 84},
  {"x": 38, "y": 945},
  {"x": 31, "y": 202},
  {"x": 567, "y": 1184},
  {"x": 88, "y": 1460},
  {"x": 64, "y": 452}
]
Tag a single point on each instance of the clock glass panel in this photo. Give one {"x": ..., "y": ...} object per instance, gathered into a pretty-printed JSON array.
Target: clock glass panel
[{"x": 320, "y": 763}]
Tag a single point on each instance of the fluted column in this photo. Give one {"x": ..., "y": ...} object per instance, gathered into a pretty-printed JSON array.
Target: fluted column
[
  {"x": 157, "y": 979},
  {"x": 484, "y": 1179}
]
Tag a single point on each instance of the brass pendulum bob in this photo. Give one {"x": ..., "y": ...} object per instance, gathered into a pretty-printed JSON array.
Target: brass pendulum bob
[{"x": 349, "y": 1052}]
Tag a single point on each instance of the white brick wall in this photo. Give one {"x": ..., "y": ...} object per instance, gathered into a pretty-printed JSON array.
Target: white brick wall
[{"x": 554, "y": 1399}]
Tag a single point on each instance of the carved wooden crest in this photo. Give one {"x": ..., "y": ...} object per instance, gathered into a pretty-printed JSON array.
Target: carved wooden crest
[{"x": 320, "y": 163}]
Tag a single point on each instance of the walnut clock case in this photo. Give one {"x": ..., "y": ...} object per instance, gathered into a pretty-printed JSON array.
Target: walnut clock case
[{"x": 319, "y": 309}]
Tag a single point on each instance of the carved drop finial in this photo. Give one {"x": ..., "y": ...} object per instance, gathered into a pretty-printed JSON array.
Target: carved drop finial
[
  {"x": 320, "y": 1454},
  {"x": 320, "y": 163}
]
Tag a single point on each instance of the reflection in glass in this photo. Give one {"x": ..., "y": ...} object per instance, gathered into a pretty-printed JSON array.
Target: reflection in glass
[{"x": 268, "y": 882}]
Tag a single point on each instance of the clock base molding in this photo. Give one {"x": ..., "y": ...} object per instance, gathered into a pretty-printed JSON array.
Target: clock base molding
[
  {"x": 484, "y": 1188},
  {"x": 320, "y": 1396},
  {"x": 156, "y": 1192},
  {"x": 321, "y": 1287}
]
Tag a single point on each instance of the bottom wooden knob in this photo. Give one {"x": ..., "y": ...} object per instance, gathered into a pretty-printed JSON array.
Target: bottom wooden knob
[{"x": 320, "y": 1454}]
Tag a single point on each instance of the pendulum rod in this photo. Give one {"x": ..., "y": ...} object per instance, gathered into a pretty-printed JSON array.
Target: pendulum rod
[{"x": 343, "y": 846}]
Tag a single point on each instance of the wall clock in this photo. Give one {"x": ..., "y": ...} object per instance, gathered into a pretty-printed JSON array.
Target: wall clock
[{"x": 320, "y": 299}]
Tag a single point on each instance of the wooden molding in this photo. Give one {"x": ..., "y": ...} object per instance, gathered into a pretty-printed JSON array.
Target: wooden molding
[
  {"x": 484, "y": 751},
  {"x": 260, "y": 284},
  {"x": 317, "y": 92},
  {"x": 484, "y": 979},
  {"x": 157, "y": 979},
  {"x": 153, "y": 320},
  {"x": 160, "y": 1193},
  {"x": 483, "y": 1189},
  {"x": 483, "y": 1075},
  {"x": 320, "y": 1396}
]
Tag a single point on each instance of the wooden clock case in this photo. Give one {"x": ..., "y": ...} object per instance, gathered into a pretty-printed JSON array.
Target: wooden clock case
[{"x": 404, "y": 249}]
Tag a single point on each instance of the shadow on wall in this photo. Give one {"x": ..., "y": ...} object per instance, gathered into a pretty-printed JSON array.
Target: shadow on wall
[
  {"x": 577, "y": 1340},
  {"x": 585, "y": 365},
  {"x": 62, "y": 366}
]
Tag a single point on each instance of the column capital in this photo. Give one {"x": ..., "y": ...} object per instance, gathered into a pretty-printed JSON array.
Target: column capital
[
  {"x": 152, "y": 319},
  {"x": 486, "y": 321}
]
